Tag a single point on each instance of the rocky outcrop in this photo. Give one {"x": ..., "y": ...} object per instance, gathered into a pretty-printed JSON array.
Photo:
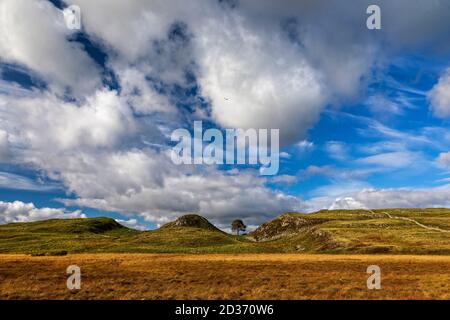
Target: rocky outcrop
[{"x": 284, "y": 225}]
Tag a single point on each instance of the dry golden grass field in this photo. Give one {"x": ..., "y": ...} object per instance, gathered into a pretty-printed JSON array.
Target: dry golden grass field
[{"x": 224, "y": 276}]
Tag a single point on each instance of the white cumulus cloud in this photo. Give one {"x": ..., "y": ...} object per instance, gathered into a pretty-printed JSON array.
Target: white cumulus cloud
[
  {"x": 439, "y": 96},
  {"x": 33, "y": 34},
  {"x": 384, "y": 198},
  {"x": 444, "y": 159},
  {"x": 346, "y": 203},
  {"x": 255, "y": 64},
  {"x": 18, "y": 211}
]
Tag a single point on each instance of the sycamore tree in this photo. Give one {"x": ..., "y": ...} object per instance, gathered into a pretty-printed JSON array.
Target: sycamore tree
[{"x": 237, "y": 226}]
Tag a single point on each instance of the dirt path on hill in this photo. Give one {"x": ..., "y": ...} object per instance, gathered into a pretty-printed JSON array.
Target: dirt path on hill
[{"x": 410, "y": 220}]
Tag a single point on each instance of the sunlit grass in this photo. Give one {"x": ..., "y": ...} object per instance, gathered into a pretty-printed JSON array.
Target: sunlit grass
[{"x": 218, "y": 276}]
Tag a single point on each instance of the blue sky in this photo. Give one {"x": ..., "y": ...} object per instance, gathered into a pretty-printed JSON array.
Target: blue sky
[{"x": 86, "y": 116}]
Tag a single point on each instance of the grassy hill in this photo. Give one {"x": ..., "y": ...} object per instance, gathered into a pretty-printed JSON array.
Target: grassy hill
[
  {"x": 418, "y": 231},
  {"x": 56, "y": 236}
]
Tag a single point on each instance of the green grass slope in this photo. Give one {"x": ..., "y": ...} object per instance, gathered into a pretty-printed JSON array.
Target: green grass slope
[
  {"x": 403, "y": 231},
  {"x": 417, "y": 231},
  {"x": 54, "y": 237},
  {"x": 189, "y": 233}
]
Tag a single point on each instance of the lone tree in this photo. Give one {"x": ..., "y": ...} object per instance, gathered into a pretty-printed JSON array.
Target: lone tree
[{"x": 238, "y": 225}]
